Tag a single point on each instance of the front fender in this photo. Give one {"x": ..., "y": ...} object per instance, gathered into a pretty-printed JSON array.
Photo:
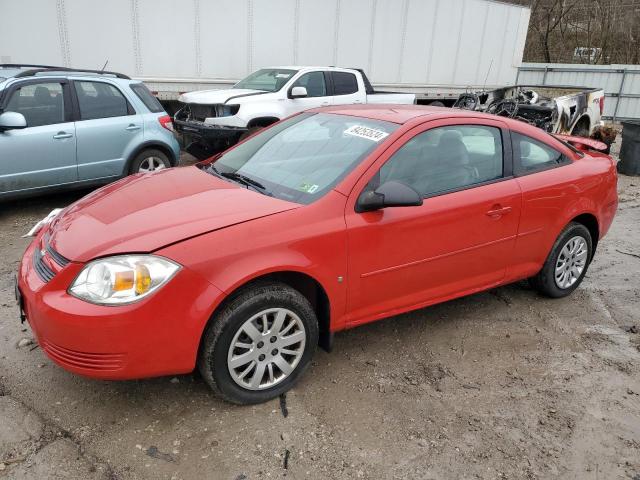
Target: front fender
[{"x": 310, "y": 240}]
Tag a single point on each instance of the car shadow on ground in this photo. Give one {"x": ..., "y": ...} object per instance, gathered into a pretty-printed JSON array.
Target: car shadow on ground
[{"x": 405, "y": 334}]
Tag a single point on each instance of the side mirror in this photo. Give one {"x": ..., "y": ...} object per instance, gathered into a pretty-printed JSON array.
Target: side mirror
[
  {"x": 298, "y": 92},
  {"x": 389, "y": 194},
  {"x": 12, "y": 121}
]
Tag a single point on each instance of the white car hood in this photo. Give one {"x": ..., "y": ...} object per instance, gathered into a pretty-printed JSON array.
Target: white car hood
[{"x": 211, "y": 97}]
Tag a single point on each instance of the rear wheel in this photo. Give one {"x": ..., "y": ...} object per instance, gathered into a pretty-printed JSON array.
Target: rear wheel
[
  {"x": 582, "y": 128},
  {"x": 567, "y": 264},
  {"x": 149, "y": 160},
  {"x": 260, "y": 344}
]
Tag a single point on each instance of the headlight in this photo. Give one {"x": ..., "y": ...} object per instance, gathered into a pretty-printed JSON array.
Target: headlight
[{"x": 122, "y": 279}]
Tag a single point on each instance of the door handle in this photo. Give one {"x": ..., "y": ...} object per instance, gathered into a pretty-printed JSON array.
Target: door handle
[
  {"x": 132, "y": 127},
  {"x": 497, "y": 211},
  {"x": 60, "y": 135}
]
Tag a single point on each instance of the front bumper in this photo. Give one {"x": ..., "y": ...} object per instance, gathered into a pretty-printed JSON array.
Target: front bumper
[
  {"x": 203, "y": 140},
  {"x": 157, "y": 336}
]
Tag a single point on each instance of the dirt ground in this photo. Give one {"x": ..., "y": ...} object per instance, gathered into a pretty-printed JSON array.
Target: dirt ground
[{"x": 503, "y": 384}]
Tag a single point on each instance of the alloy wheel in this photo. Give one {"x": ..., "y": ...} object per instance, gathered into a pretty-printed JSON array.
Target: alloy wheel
[
  {"x": 571, "y": 262},
  {"x": 151, "y": 164},
  {"x": 266, "y": 349}
]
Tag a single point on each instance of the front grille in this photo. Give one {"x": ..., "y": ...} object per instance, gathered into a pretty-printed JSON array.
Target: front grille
[
  {"x": 88, "y": 361},
  {"x": 43, "y": 270},
  {"x": 202, "y": 112},
  {"x": 57, "y": 257}
]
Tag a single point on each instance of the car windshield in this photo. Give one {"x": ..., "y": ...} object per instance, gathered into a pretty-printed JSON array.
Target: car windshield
[
  {"x": 267, "y": 79},
  {"x": 302, "y": 158}
]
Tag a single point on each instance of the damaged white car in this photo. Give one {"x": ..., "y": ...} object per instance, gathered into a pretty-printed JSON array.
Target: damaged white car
[{"x": 212, "y": 120}]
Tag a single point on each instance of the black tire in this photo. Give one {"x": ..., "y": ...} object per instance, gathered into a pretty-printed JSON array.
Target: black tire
[
  {"x": 249, "y": 132},
  {"x": 146, "y": 154},
  {"x": 212, "y": 358},
  {"x": 544, "y": 282},
  {"x": 437, "y": 103}
]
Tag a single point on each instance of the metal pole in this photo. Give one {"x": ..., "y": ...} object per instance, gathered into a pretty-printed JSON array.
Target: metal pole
[
  {"x": 615, "y": 111},
  {"x": 544, "y": 77},
  {"x": 517, "y": 76}
]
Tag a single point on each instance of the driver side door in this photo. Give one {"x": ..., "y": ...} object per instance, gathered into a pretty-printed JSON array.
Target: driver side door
[
  {"x": 317, "y": 93},
  {"x": 461, "y": 238}
]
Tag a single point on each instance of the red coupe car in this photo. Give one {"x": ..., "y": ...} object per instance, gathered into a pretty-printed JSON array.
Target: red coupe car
[{"x": 241, "y": 265}]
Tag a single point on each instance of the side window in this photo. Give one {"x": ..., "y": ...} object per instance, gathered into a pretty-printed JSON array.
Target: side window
[
  {"x": 100, "y": 100},
  {"x": 534, "y": 155},
  {"x": 40, "y": 103},
  {"x": 314, "y": 83},
  {"x": 446, "y": 158},
  {"x": 344, "y": 83}
]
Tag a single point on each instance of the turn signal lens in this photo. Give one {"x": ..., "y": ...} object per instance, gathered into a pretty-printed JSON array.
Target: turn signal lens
[
  {"x": 143, "y": 279},
  {"x": 122, "y": 279}
]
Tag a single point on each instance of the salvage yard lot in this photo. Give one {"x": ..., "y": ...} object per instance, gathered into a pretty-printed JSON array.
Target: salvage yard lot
[{"x": 504, "y": 384}]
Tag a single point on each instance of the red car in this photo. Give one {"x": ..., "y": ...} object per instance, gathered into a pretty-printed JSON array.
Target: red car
[{"x": 240, "y": 266}]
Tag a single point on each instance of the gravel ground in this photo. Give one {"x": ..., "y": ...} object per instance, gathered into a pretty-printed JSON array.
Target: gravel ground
[{"x": 502, "y": 384}]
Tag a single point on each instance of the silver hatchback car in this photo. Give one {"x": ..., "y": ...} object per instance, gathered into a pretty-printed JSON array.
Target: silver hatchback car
[{"x": 63, "y": 128}]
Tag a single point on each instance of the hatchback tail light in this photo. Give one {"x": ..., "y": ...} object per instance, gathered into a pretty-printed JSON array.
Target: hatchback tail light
[
  {"x": 166, "y": 122},
  {"x": 601, "y": 105}
]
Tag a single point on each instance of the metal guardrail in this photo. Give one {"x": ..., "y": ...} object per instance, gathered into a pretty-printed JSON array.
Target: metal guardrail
[{"x": 595, "y": 76}]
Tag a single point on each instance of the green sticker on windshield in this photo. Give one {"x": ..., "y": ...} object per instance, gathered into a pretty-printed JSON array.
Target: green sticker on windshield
[{"x": 308, "y": 187}]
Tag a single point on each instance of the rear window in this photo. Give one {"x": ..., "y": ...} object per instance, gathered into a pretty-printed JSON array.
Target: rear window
[
  {"x": 344, "y": 83},
  {"x": 143, "y": 93}
]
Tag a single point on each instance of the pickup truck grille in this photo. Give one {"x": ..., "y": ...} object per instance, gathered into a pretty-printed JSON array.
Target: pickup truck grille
[{"x": 199, "y": 113}]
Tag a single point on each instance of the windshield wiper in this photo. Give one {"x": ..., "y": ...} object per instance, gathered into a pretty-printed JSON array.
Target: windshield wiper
[{"x": 243, "y": 179}]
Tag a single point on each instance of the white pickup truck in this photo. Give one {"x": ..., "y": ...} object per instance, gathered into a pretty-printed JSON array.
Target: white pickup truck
[{"x": 211, "y": 120}]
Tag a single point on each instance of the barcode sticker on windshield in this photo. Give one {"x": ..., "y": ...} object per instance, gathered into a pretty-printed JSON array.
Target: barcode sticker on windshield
[{"x": 366, "y": 132}]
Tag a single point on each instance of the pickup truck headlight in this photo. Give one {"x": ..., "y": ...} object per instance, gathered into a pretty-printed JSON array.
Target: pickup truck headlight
[{"x": 122, "y": 279}]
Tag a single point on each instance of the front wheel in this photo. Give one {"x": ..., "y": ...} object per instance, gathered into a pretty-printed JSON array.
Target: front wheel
[
  {"x": 567, "y": 264},
  {"x": 259, "y": 344}
]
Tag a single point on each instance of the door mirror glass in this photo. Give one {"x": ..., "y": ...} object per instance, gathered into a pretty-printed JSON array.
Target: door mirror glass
[
  {"x": 298, "y": 92},
  {"x": 11, "y": 121},
  {"x": 389, "y": 194}
]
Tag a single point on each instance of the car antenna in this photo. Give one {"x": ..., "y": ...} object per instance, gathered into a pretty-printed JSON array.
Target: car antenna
[
  {"x": 104, "y": 66},
  {"x": 484, "y": 87}
]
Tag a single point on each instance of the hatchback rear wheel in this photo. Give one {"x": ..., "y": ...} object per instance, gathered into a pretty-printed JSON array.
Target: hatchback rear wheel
[
  {"x": 567, "y": 264},
  {"x": 150, "y": 160},
  {"x": 259, "y": 344}
]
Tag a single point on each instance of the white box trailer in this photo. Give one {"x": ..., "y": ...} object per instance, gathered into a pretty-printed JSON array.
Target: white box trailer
[{"x": 433, "y": 48}]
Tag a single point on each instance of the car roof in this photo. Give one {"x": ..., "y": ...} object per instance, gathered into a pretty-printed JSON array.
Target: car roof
[
  {"x": 10, "y": 71},
  {"x": 306, "y": 67},
  {"x": 401, "y": 114}
]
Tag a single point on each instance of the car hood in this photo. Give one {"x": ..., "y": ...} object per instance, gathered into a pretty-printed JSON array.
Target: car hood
[
  {"x": 145, "y": 212},
  {"x": 210, "y": 97}
]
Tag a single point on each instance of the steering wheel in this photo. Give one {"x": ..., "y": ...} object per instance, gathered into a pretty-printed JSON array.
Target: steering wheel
[
  {"x": 467, "y": 101},
  {"x": 503, "y": 108}
]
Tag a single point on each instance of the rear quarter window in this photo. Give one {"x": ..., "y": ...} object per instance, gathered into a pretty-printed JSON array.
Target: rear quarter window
[
  {"x": 344, "y": 83},
  {"x": 146, "y": 97},
  {"x": 533, "y": 155}
]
